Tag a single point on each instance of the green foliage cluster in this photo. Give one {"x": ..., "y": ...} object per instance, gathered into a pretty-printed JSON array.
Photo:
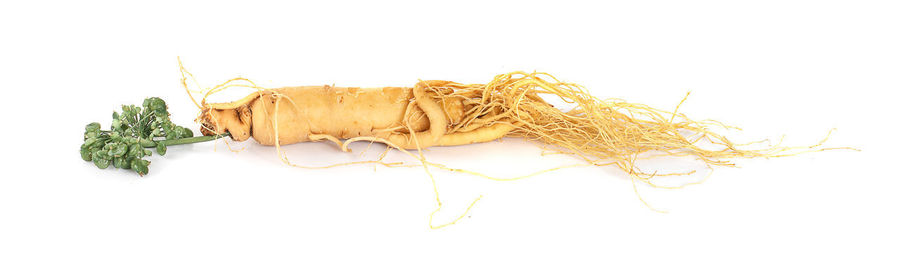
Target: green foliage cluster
[{"x": 131, "y": 131}]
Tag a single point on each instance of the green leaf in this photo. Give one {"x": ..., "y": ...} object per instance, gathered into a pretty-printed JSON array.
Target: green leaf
[
  {"x": 120, "y": 150},
  {"x": 179, "y": 132},
  {"x": 101, "y": 163},
  {"x": 110, "y": 149},
  {"x": 90, "y": 141},
  {"x": 161, "y": 149},
  {"x": 99, "y": 154},
  {"x": 91, "y": 135},
  {"x": 127, "y": 164},
  {"x": 119, "y": 162},
  {"x": 135, "y": 150},
  {"x": 140, "y": 166},
  {"x": 156, "y": 105},
  {"x": 92, "y": 127},
  {"x": 86, "y": 153}
]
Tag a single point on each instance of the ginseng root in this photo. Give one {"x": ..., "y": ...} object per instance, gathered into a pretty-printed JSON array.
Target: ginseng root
[{"x": 445, "y": 113}]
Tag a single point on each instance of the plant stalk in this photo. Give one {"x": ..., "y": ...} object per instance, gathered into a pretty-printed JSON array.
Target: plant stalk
[{"x": 182, "y": 141}]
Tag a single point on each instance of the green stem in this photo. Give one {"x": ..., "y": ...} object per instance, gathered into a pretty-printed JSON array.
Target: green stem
[{"x": 182, "y": 141}]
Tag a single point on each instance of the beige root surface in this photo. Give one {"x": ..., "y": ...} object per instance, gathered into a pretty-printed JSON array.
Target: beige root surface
[{"x": 442, "y": 113}]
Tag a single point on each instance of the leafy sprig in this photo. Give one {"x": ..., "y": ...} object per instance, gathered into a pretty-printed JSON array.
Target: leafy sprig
[{"x": 131, "y": 132}]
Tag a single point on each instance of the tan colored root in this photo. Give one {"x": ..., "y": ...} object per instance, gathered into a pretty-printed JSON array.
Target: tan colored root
[
  {"x": 435, "y": 113},
  {"x": 479, "y": 135},
  {"x": 595, "y": 130},
  {"x": 599, "y": 132},
  {"x": 335, "y": 140}
]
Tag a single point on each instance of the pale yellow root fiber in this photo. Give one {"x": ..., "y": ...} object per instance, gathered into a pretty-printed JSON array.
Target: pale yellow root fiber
[{"x": 599, "y": 131}]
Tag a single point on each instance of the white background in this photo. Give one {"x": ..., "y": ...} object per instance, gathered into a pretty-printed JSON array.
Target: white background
[{"x": 795, "y": 68}]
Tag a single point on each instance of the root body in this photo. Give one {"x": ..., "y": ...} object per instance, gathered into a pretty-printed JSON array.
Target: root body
[{"x": 445, "y": 113}]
